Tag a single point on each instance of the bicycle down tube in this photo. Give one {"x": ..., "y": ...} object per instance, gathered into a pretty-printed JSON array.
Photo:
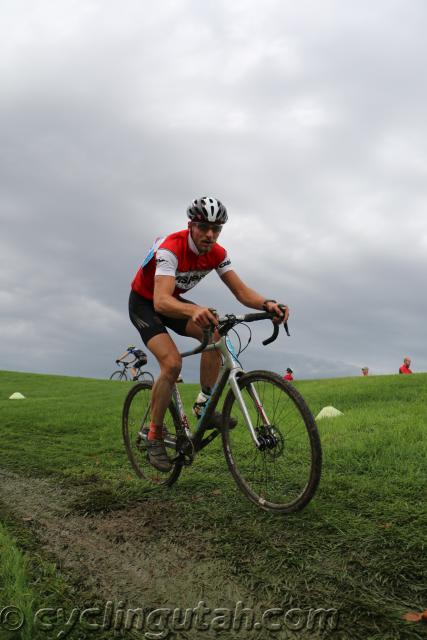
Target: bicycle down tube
[{"x": 229, "y": 372}]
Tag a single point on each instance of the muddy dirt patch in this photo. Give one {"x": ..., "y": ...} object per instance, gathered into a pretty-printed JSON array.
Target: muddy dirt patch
[{"x": 134, "y": 555}]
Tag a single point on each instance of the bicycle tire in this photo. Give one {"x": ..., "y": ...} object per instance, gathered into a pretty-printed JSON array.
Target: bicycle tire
[
  {"x": 146, "y": 376},
  {"x": 136, "y": 417},
  {"x": 294, "y": 427},
  {"x": 119, "y": 375}
]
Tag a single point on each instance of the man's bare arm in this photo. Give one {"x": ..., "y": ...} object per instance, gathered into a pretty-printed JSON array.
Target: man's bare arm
[
  {"x": 249, "y": 297},
  {"x": 165, "y": 303}
]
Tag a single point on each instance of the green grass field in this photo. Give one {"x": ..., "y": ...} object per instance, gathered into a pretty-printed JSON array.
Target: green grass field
[{"x": 359, "y": 547}]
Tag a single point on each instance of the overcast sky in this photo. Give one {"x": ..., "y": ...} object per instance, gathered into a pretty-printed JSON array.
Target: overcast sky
[{"x": 307, "y": 119}]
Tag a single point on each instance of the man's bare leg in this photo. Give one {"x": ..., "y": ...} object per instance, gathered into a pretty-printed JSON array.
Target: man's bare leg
[
  {"x": 210, "y": 361},
  {"x": 209, "y": 368},
  {"x": 167, "y": 355},
  {"x": 164, "y": 349}
]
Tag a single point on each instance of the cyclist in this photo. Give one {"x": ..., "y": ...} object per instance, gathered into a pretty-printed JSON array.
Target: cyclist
[
  {"x": 139, "y": 359},
  {"x": 173, "y": 266}
]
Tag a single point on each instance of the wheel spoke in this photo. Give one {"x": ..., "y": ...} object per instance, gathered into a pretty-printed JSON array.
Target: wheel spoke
[
  {"x": 136, "y": 421},
  {"x": 284, "y": 471}
]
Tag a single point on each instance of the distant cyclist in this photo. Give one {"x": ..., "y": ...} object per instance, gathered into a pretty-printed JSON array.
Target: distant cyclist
[
  {"x": 135, "y": 357},
  {"x": 173, "y": 266}
]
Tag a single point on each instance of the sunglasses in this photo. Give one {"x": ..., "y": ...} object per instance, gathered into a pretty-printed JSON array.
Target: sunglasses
[{"x": 204, "y": 226}]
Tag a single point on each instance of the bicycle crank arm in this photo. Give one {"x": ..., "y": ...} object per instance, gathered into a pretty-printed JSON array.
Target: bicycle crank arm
[{"x": 170, "y": 440}]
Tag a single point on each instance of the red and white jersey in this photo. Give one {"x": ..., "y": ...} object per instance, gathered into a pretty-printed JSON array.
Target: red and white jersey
[{"x": 177, "y": 255}]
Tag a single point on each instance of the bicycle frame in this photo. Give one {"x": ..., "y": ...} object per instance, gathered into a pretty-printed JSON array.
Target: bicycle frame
[
  {"x": 230, "y": 371},
  {"x": 254, "y": 471}
]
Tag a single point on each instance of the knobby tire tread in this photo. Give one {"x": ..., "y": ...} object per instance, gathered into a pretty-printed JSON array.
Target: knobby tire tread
[
  {"x": 173, "y": 475},
  {"x": 310, "y": 424}
]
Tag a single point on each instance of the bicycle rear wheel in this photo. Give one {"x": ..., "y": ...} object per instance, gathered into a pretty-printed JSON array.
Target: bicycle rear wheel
[
  {"x": 119, "y": 375},
  {"x": 282, "y": 474},
  {"x": 146, "y": 376},
  {"x": 135, "y": 425}
]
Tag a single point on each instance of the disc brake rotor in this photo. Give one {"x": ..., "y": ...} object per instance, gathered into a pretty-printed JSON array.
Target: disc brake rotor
[{"x": 271, "y": 441}]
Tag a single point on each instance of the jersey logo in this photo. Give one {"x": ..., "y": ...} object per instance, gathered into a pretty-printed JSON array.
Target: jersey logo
[
  {"x": 189, "y": 279},
  {"x": 152, "y": 251}
]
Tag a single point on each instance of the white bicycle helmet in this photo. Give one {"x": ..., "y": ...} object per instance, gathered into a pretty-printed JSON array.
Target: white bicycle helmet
[{"x": 207, "y": 210}]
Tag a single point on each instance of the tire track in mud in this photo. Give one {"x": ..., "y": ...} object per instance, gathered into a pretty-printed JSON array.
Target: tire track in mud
[{"x": 129, "y": 555}]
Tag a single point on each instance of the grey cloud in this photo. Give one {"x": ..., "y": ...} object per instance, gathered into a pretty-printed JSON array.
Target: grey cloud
[{"x": 308, "y": 123}]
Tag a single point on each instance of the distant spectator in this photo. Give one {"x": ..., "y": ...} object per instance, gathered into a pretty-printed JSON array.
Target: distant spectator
[
  {"x": 288, "y": 375},
  {"x": 365, "y": 371},
  {"x": 405, "y": 366}
]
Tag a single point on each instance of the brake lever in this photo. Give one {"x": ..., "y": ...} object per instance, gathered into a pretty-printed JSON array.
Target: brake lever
[
  {"x": 214, "y": 312},
  {"x": 285, "y": 324}
]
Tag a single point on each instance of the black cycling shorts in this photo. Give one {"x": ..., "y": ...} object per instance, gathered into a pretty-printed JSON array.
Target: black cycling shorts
[{"x": 149, "y": 323}]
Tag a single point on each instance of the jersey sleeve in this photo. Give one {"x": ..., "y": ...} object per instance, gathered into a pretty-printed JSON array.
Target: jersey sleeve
[
  {"x": 157, "y": 242},
  {"x": 224, "y": 266},
  {"x": 166, "y": 263}
]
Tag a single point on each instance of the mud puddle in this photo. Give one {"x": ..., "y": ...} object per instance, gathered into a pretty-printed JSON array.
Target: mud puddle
[{"x": 128, "y": 555}]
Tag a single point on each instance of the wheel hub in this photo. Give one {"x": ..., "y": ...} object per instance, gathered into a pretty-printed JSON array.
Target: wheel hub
[{"x": 270, "y": 439}]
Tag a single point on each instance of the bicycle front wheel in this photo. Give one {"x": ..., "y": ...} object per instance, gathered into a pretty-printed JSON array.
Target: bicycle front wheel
[
  {"x": 135, "y": 425},
  {"x": 282, "y": 473},
  {"x": 119, "y": 375}
]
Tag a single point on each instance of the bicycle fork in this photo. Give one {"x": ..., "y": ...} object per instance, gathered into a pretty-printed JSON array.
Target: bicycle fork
[{"x": 234, "y": 383}]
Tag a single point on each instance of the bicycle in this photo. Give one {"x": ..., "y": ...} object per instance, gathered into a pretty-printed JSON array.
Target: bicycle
[
  {"x": 122, "y": 376},
  {"x": 273, "y": 453}
]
